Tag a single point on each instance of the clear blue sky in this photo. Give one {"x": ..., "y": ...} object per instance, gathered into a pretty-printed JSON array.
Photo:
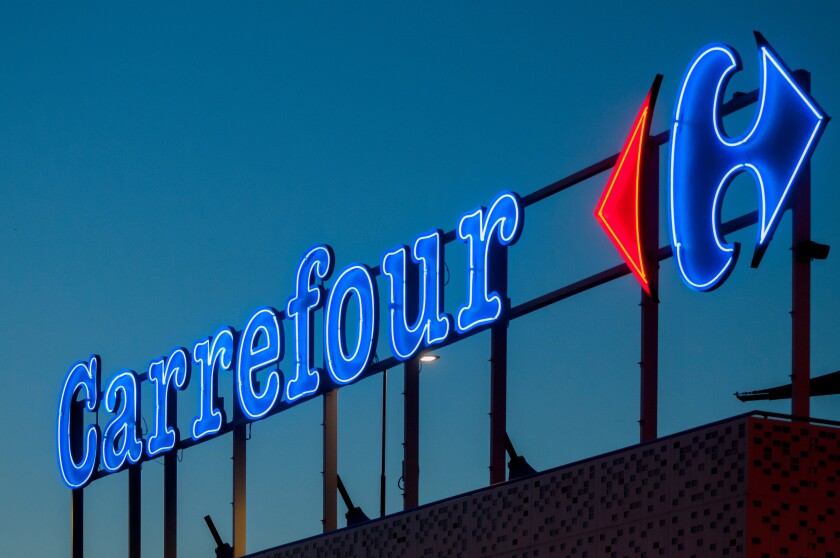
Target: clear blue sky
[{"x": 164, "y": 167}]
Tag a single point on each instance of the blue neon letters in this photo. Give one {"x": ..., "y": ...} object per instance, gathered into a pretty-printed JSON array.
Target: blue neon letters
[
  {"x": 317, "y": 264},
  {"x": 77, "y": 470},
  {"x": 704, "y": 161},
  {"x": 428, "y": 324},
  {"x": 260, "y": 347},
  {"x": 345, "y": 363},
  {"x": 350, "y": 333},
  {"x": 167, "y": 375},
  {"x": 502, "y": 223},
  {"x": 121, "y": 441},
  {"x": 212, "y": 355}
]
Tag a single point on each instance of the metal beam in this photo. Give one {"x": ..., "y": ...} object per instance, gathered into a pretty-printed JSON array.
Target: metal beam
[
  {"x": 170, "y": 491},
  {"x": 382, "y": 464},
  {"x": 649, "y": 415},
  {"x": 134, "y": 508},
  {"x": 801, "y": 287},
  {"x": 411, "y": 434},
  {"x": 498, "y": 399},
  {"x": 330, "y": 520},
  {"x": 77, "y": 523},
  {"x": 801, "y": 307},
  {"x": 827, "y": 384},
  {"x": 77, "y": 505},
  {"x": 170, "y": 504},
  {"x": 498, "y": 369},
  {"x": 239, "y": 491}
]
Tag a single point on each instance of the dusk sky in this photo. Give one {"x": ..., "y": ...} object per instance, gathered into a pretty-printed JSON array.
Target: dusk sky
[{"x": 165, "y": 167}]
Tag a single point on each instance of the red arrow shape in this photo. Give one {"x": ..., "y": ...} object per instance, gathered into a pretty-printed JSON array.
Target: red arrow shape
[{"x": 619, "y": 209}]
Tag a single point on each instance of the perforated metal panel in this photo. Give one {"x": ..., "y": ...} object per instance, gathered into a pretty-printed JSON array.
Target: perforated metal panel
[
  {"x": 746, "y": 487},
  {"x": 793, "y": 485}
]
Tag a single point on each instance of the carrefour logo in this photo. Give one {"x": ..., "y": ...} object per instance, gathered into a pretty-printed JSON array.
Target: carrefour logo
[
  {"x": 416, "y": 321},
  {"x": 704, "y": 160},
  {"x": 272, "y": 373}
]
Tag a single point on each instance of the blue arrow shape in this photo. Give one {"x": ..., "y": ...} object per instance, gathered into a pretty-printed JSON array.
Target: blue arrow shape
[{"x": 704, "y": 160}]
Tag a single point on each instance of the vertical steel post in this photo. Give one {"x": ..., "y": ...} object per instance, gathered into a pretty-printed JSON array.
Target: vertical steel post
[
  {"x": 330, "y": 520},
  {"x": 170, "y": 505},
  {"x": 498, "y": 399},
  {"x": 240, "y": 479},
  {"x": 382, "y": 466},
  {"x": 411, "y": 434},
  {"x": 134, "y": 510},
  {"x": 801, "y": 285},
  {"x": 170, "y": 492},
  {"x": 411, "y": 407},
  {"x": 77, "y": 520},
  {"x": 648, "y": 421},
  {"x": 77, "y": 523},
  {"x": 498, "y": 370},
  {"x": 134, "y": 505},
  {"x": 239, "y": 490},
  {"x": 77, "y": 506}
]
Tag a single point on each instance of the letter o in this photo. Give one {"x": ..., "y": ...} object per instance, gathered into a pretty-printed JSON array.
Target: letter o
[{"x": 345, "y": 363}]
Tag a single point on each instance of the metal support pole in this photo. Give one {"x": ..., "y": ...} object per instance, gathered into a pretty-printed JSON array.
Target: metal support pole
[
  {"x": 411, "y": 435},
  {"x": 650, "y": 304},
  {"x": 170, "y": 492},
  {"x": 498, "y": 372},
  {"x": 498, "y": 399},
  {"x": 801, "y": 286},
  {"x": 77, "y": 520},
  {"x": 170, "y": 505},
  {"x": 134, "y": 506},
  {"x": 77, "y": 506},
  {"x": 382, "y": 468},
  {"x": 330, "y": 520},
  {"x": 239, "y": 490},
  {"x": 134, "y": 511},
  {"x": 411, "y": 407}
]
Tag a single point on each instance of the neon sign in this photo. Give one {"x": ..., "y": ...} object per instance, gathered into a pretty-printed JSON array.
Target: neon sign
[
  {"x": 167, "y": 375},
  {"x": 121, "y": 442},
  {"x": 260, "y": 347},
  {"x": 211, "y": 355},
  {"x": 704, "y": 161},
  {"x": 316, "y": 264},
  {"x": 355, "y": 282},
  {"x": 254, "y": 354},
  {"x": 503, "y": 222},
  {"x": 619, "y": 209},
  {"x": 431, "y": 325},
  {"x": 77, "y": 470}
]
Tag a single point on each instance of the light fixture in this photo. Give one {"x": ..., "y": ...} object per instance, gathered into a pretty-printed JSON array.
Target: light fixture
[
  {"x": 517, "y": 465},
  {"x": 810, "y": 250},
  {"x": 827, "y": 384},
  {"x": 429, "y": 357},
  {"x": 223, "y": 549},
  {"x": 354, "y": 514}
]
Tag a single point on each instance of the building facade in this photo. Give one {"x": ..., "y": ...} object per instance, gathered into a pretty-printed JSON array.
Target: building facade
[{"x": 752, "y": 486}]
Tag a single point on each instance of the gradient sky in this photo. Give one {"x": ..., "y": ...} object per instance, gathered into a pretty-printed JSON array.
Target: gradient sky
[{"x": 164, "y": 167}]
